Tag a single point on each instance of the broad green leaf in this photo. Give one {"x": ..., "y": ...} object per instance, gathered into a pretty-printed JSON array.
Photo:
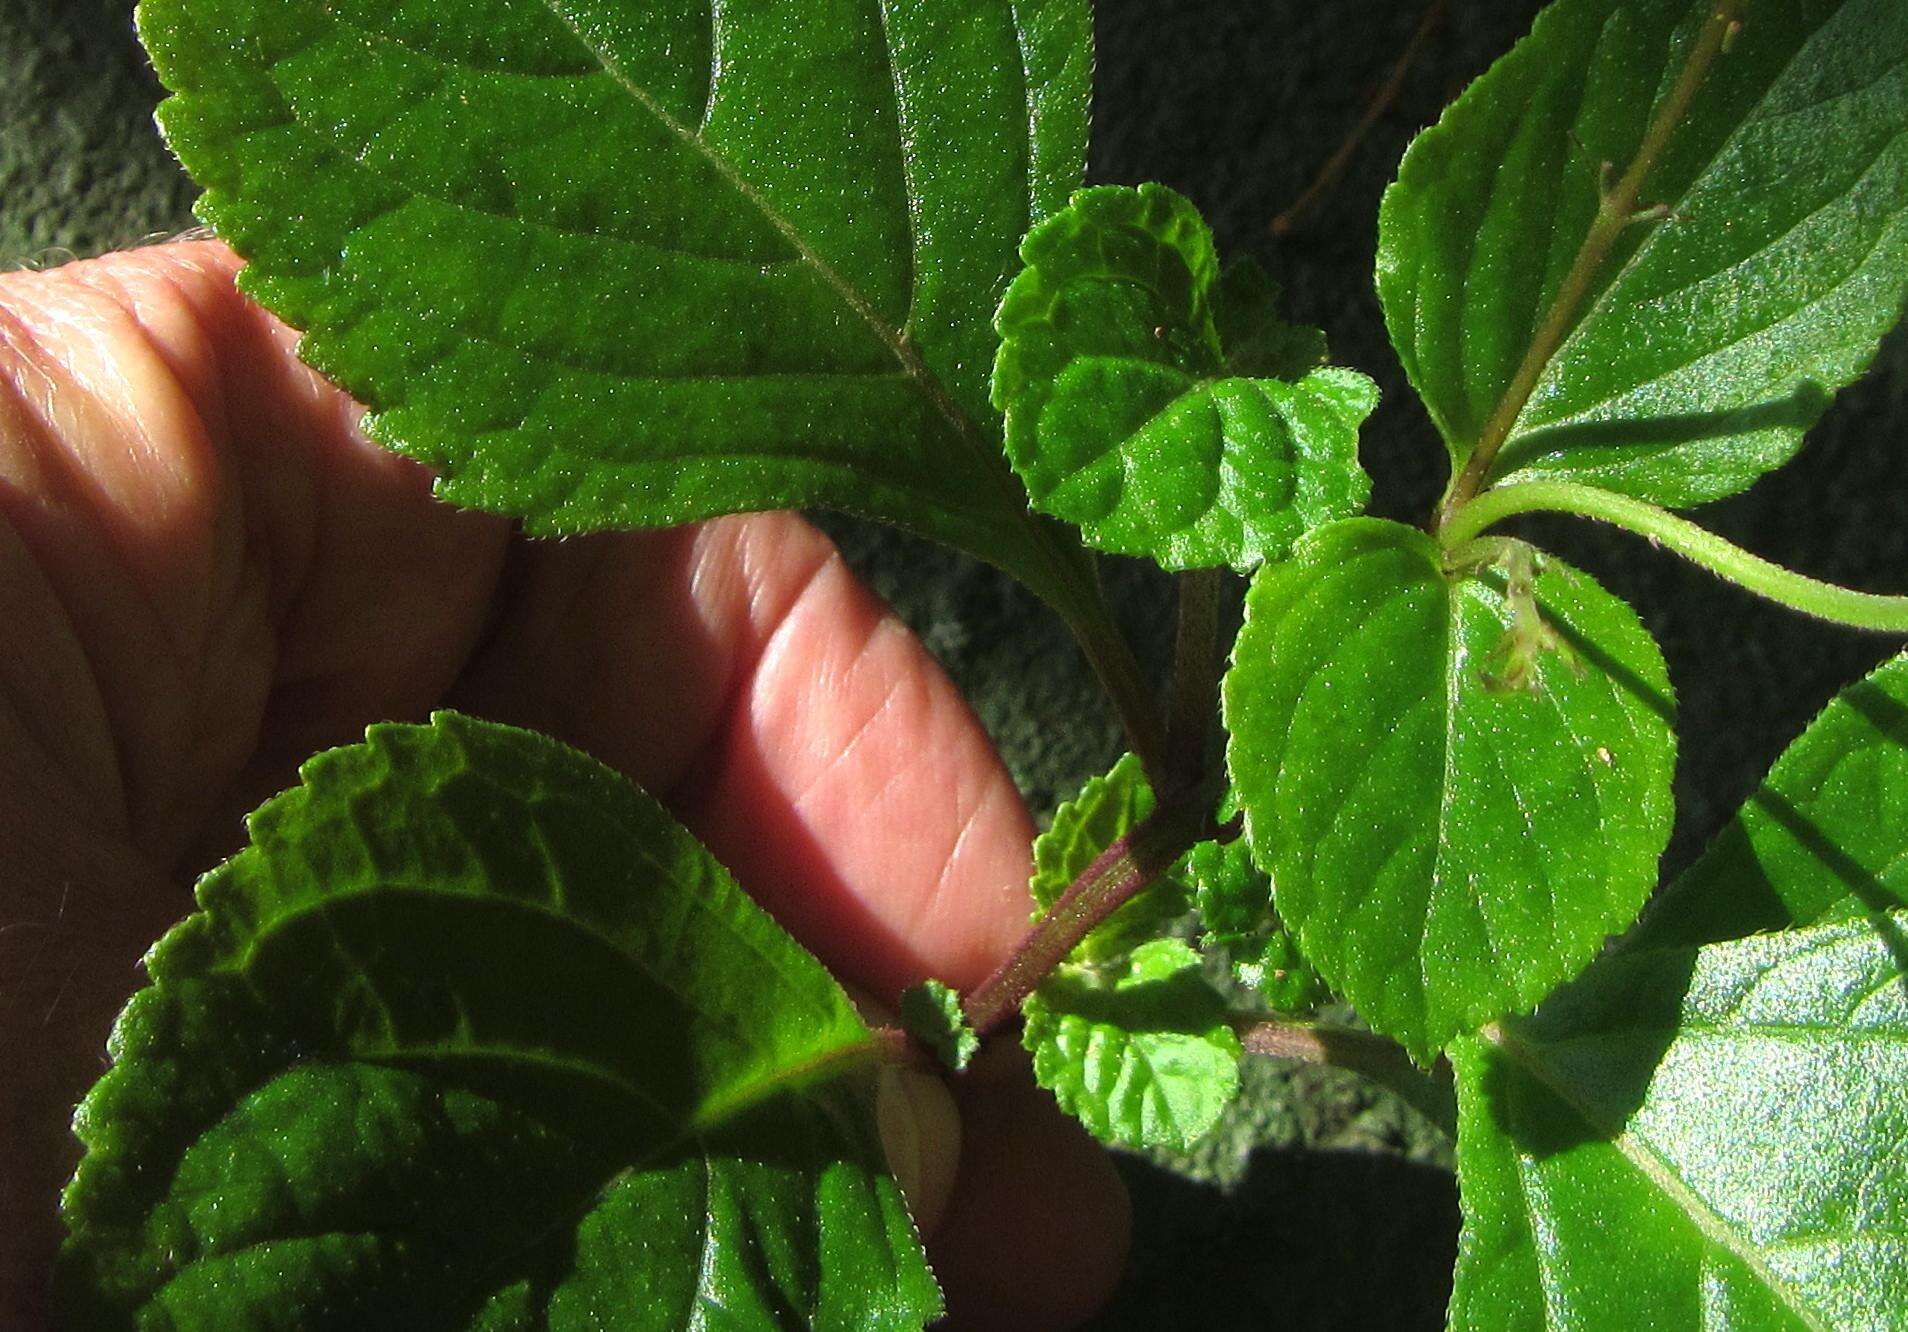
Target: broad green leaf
[
  {"x": 1139, "y": 1048},
  {"x": 931, "y": 1012},
  {"x": 1688, "y": 354},
  {"x": 1125, "y": 415},
  {"x": 1825, "y": 835},
  {"x": 614, "y": 263},
  {"x": 1105, "y": 810},
  {"x": 1699, "y": 1138},
  {"x": 1234, "y": 899},
  {"x": 474, "y": 1035},
  {"x": 1459, "y": 782}
]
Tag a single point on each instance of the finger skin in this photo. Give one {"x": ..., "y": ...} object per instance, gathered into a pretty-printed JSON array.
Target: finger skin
[{"x": 212, "y": 574}]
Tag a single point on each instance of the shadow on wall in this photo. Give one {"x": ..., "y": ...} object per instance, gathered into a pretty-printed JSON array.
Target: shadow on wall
[{"x": 1324, "y": 1240}]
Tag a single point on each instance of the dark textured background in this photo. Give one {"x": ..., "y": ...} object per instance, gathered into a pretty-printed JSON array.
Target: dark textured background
[{"x": 1322, "y": 1205}]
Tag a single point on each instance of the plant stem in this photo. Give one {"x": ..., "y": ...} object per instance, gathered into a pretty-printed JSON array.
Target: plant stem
[
  {"x": 1126, "y": 686},
  {"x": 1615, "y": 212},
  {"x": 1840, "y": 605},
  {"x": 1381, "y": 1060},
  {"x": 1196, "y": 666},
  {"x": 1122, "y": 872},
  {"x": 1381, "y": 102}
]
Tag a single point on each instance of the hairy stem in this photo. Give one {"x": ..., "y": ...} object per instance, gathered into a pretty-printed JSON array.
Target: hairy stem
[
  {"x": 1381, "y": 1060},
  {"x": 1615, "y": 213},
  {"x": 1196, "y": 666},
  {"x": 1811, "y": 596},
  {"x": 1122, "y": 872},
  {"x": 1126, "y": 686}
]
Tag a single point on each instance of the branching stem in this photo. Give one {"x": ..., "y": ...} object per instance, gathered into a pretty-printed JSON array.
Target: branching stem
[
  {"x": 1378, "y": 1058},
  {"x": 1123, "y": 870},
  {"x": 1616, "y": 212},
  {"x": 1196, "y": 667},
  {"x": 1840, "y": 605}
]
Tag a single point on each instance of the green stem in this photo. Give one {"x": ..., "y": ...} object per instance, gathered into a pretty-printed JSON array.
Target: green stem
[
  {"x": 1374, "y": 1057},
  {"x": 1616, "y": 211},
  {"x": 1840, "y": 605},
  {"x": 1196, "y": 667}
]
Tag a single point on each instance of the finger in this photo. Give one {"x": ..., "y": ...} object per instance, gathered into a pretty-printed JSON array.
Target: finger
[
  {"x": 742, "y": 671},
  {"x": 235, "y": 564},
  {"x": 1037, "y": 1230}
]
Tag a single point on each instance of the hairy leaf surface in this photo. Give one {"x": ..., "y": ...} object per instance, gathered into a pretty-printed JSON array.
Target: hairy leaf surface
[
  {"x": 1676, "y": 359},
  {"x": 1694, "y": 1138},
  {"x": 1460, "y": 787},
  {"x": 474, "y": 1035},
  {"x": 1138, "y": 1048},
  {"x": 1234, "y": 898},
  {"x": 614, "y": 263},
  {"x": 1127, "y": 417},
  {"x": 1826, "y": 834}
]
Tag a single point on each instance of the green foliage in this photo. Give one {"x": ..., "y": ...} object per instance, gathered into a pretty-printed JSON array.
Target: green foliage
[
  {"x": 599, "y": 277},
  {"x": 1678, "y": 356},
  {"x": 1139, "y": 1049},
  {"x": 1825, "y": 835},
  {"x": 1234, "y": 898},
  {"x": 474, "y": 1035},
  {"x": 1694, "y": 1138},
  {"x": 1125, "y": 414},
  {"x": 1105, "y": 810},
  {"x": 931, "y": 1012},
  {"x": 1458, "y": 781}
]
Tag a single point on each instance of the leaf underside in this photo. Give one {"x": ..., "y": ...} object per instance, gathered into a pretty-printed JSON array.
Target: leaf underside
[
  {"x": 1128, "y": 417},
  {"x": 1694, "y": 1138},
  {"x": 626, "y": 263},
  {"x": 1826, "y": 834},
  {"x": 1709, "y": 340},
  {"x": 474, "y": 1035},
  {"x": 1447, "y": 847}
]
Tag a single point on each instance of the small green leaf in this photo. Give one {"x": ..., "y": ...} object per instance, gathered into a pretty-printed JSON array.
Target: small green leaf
[
  {"x": 1105, "y": 810},
  {"x": 1459, "y": 782},
  {"x": 931, "y": 1012},
  {"x": 1139, "y": 1049},
  {"x": 626, "y": 263},
  {"x": 1234, "y": 898},
  {"x": 1694, "y": 1138},
  {"x": 1257, "y": 342},
  {"x": 474, "y": 1035},
  {"x": 1678, "y": 355},
  {"x": 1124, "y": 416},
  {"x": 1826, "y": 834}
]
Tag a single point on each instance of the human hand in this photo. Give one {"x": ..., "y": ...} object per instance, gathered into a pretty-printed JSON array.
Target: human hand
[{"x": 206, "y": 574}]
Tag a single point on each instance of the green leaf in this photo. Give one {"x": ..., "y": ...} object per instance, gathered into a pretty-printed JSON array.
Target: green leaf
[
  {"x": 474, "y": 1035},
  {"x": 1459, "y": 782},
  {"x": 931, "y": 1012},
  {"x": 624, "y": 263},
  {"x": 1125, "y": 417},
  {"x": 1826, "y": 834},
  {"x": 1138, "y": 1049},
  {"x": 1694, "y": 1138},
  {"x": 1234, "y": 898},
  {"x": 1105, "y": 810},
  {"x": 1678, "y": 359},
  {"x": 1256, "y": 341}
]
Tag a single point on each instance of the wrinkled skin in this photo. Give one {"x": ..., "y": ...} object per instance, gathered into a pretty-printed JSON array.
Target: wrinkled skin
[{"x": 206, "y": 574}]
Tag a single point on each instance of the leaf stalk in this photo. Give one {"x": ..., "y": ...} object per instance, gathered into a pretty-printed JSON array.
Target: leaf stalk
[
  {"x": 1811, "y": 596},
  {"x": 1197, "y": 664},
  {"x": 1374, "y": 1057}
]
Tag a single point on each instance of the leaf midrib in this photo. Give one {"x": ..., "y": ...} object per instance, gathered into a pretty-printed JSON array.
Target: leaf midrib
[
  {"x": 896, "y": 340},
  {"x": 1710, "y": 1224}
]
